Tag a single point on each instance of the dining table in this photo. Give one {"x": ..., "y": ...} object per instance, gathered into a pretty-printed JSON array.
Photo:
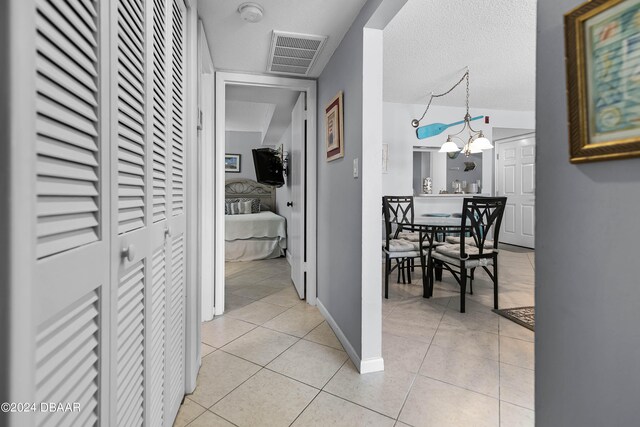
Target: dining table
[{"x": 433, "y": 231}]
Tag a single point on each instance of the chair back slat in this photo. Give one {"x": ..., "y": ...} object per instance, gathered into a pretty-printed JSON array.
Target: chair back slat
[
  {"x": 479, "y": 216},
  {"x": 397, "y": 210}
]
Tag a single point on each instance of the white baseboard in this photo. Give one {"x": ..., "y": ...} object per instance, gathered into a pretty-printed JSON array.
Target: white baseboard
[
  {"x": 287, "y": 255},
  {"x": 375, "y": 364}
]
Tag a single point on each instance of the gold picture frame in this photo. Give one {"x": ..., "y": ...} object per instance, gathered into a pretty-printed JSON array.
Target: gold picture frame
[
  {"x": 334, "y": 132},
  {"x": 602, "y": 42}
]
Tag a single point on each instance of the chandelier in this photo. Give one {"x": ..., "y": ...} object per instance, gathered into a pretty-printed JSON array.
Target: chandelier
[{"x": 476, "y": 141}]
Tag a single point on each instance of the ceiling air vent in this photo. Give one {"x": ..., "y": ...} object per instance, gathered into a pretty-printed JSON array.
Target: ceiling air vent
[{"x": 293, "y": 53}]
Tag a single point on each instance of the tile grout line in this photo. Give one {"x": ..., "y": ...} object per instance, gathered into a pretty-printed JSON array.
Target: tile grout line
[
  {"x": 347, "y": 400},
  {"x": 413, "y": 381}
]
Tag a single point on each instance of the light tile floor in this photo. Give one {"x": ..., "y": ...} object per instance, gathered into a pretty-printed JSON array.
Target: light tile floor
[{"x": 442, "y": 368}]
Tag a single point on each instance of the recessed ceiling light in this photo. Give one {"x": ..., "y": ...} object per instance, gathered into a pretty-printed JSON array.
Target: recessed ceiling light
[{"x": 251, "y": 12}]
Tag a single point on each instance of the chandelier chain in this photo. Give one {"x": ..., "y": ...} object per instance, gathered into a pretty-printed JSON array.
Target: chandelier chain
[{"x": 439, "y": 95}]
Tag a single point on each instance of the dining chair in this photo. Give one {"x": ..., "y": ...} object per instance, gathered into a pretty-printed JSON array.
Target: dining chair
[
  {"x": 480, "y": 218},
  {"x": 401, "y": 243}
]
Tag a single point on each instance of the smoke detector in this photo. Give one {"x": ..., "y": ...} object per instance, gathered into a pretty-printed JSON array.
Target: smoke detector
[{"x": 251, "y": 12}]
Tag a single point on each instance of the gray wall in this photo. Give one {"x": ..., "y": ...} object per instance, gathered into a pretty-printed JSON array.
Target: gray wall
[
  {"x": 587, "y": 276},
  {"x": 242, "y": 143},
  {"x": 339, "y": 194}
]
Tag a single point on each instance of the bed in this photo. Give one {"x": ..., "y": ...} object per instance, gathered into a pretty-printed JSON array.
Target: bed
[{"x": 254, "y": 236}]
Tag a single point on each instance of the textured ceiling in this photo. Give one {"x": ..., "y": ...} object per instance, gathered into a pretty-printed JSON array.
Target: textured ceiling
[
  {"x": 239, "y": 46},
  {"x": 429, "y": 42},
  {"x": 259, "y": 109}
]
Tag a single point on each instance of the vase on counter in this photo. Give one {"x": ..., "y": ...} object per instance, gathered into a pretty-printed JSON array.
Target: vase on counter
[{"x": 427, "y": 185}]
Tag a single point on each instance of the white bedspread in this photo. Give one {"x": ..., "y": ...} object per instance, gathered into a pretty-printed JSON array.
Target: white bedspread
[{"x": 259, "y": 225}]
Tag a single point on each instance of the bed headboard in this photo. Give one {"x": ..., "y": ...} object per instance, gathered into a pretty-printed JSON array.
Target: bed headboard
[{"x": 237, "y": 188}]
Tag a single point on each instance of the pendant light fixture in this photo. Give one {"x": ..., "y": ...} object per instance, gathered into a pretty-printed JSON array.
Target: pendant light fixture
[{"x": 476, "y": 141}]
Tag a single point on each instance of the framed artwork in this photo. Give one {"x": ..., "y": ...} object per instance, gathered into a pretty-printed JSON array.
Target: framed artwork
[
  {"x": 602, "y": 39},
  {"x": 334, "y": 135},
  {"x": 232, "y": 163}
]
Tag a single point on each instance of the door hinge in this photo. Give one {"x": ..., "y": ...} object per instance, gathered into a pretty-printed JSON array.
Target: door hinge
[
  {"x": 199, "y": 119},
  {"x": 498, "y": 156}
]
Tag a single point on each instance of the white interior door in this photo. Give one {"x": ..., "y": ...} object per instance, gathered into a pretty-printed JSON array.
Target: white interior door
[
  {"x": 516, "y": 180},
  {"x": 70, "y": 191},
  {"x": 296, "y": 178},
  {"x": 176, "y": 279},
  {"x": 130, "y": 219}
]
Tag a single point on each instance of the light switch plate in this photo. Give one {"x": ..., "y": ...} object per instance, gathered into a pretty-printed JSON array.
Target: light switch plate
[{"x": 355, "y": 168}]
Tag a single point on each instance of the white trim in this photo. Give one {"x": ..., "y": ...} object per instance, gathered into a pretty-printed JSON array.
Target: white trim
[
  {"x": 18, "y": 114},
  {"x": 288, "y": 256},
  {"x": 372, "y": 119},
  {"x": 241, "y": 79},
  {"x": 374, "y": 364},
  {"x": 206, "y": 189},
  {"x": 193, "y": 288}
]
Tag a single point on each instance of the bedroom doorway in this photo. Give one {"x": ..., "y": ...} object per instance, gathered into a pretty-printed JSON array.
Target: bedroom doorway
[{"x": 236, "y": 95}]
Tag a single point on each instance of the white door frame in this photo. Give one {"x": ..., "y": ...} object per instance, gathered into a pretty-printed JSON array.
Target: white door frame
[
  {"x": 309, "y": 86},
  {"x": 192, "y": 337}
]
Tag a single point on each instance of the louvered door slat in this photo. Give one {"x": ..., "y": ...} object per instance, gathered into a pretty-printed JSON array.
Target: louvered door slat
[
  {"x": 57, "y": 111},
  {"x": 52, "y": 186},
  {"x": 53, "y": 139},
  {"x": 89, "y": 7},
  {"x": 73, "y": 85},
  {"x": 63, "y": 223},
  {"x": 76, "y": 31},
  {"x": 67, "y": 354},
  {"x": 177, "y": 61},
  {"x": 159, "y": 112},
  {"x": 131, "y": 116},
  {"x": 157, "y": 343},
  {"x": 175, "y": 354},
  {"x": 52, "y": 53},
  {"x": 66, "y": 127},
  {"x": 78, "y": 19},
  {"x": 70, "y": 100},
  {"x": 59, "y": 38},
  {"x": 63, "y": 169},
  {"x": 65, "y": 205},
  {"x": 130, "y": 347}
]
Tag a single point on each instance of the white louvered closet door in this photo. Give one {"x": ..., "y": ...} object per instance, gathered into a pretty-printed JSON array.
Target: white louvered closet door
[
  {"x": 71, "y": 286},
  {"x": 130, "y": 213},
  {"x": 176, "y": 255}
]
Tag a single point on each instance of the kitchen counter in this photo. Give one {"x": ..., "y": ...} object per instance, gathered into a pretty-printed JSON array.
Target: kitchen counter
[{"x": 429, "y": 196}]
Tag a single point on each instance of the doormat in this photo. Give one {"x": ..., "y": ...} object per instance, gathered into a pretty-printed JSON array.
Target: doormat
[{"x": 524, "y": 316}]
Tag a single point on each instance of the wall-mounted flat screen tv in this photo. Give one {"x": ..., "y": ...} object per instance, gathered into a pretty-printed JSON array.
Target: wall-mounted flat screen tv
[{"x": 268, "y": 166}]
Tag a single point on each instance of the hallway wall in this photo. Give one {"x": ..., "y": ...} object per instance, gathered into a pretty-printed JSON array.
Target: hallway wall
[
  {"x": 339, "y": 194},
  {"x": 242, "y": 143},
  {"x": 587, "y": 297}
]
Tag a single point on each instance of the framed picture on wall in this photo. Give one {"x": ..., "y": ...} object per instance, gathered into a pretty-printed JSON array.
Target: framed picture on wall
[
  {"x": 232, "y": 163},
  {"x": 334, "y": 135},
  {"x": 603, "y": 80}
]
